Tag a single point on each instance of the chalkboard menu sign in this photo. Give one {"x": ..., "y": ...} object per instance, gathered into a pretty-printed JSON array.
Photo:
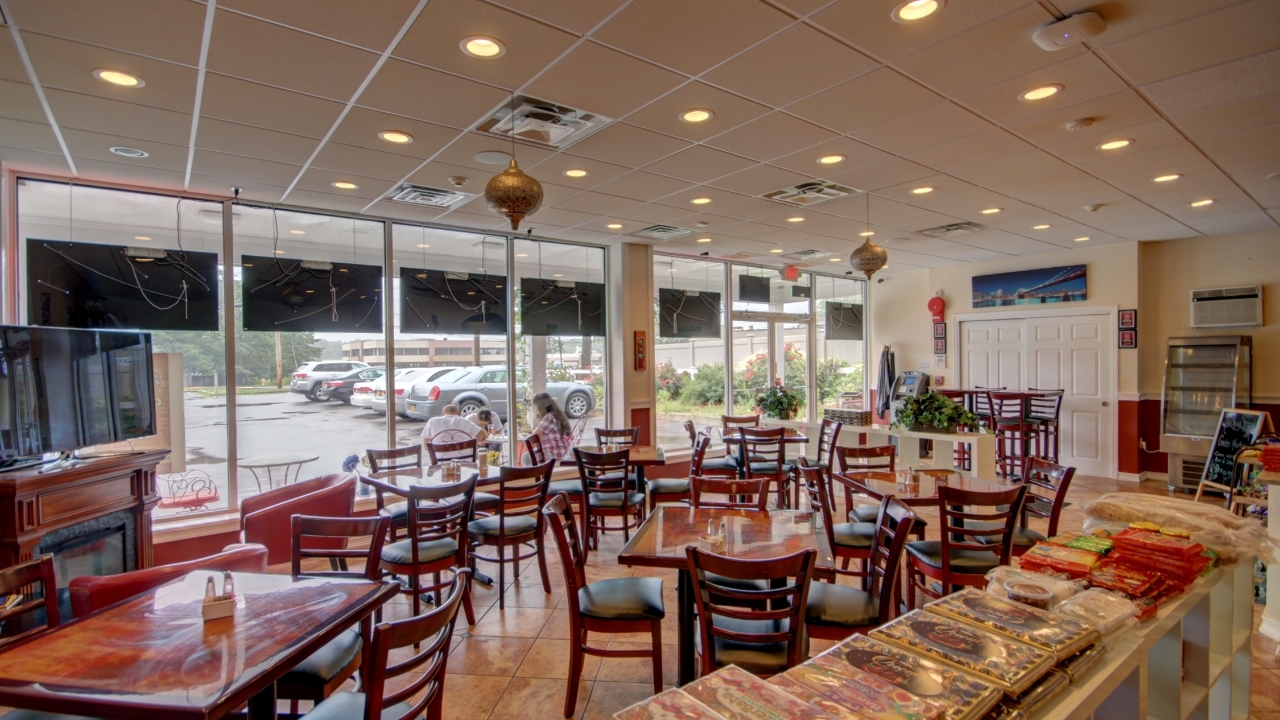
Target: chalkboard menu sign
[{"x": 1237, "y": 430}]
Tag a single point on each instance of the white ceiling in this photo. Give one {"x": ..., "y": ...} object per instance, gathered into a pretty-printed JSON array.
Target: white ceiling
[{"x": 283, "y": 97}]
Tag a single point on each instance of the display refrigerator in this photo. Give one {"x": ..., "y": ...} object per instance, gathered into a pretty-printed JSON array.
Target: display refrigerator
[{"x": 1202, "y": 377}]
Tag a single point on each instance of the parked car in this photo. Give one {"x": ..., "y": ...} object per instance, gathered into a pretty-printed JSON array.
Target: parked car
[
  {"x": 362, "y": 393},
  {"x": 403, "y": 380},
  {"x": 309, "y": 374},
  {"x": 343, "y": 387},
  {"x": 474, "y": 388}
]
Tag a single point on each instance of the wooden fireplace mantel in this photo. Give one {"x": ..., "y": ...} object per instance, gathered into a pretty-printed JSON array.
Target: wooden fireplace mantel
[{"x": 33, "y": 504}]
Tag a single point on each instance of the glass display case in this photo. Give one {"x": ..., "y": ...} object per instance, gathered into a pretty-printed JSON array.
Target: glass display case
[{"x": 1203, "y": 376}]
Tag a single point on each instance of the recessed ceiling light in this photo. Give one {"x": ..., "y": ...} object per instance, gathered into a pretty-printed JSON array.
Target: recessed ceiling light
[
  {"x": 424, "y": 245},
  {"x": 835, "y": 259},
  {"x": 868, "y": 233},
  {"x": 921, "y": 190},
  {"x": 344, "y": 185},
  {"x": 395, "y": 136},
  {"x": 479, "y": 269},
  {"x": 614, "y": 226},
  {"x": 278, "y": 252},
  {"x": 1040, "y": 93},
  {"x": 1082, "y": 239},
  {"x": 522, "y": 254},
  {"x": 558, "y": 275},
  {"x": 485, "y": 48},
  {"x": 297, "y": 232},
  {"x": 1166, "y": 178},
  {"x": 775, "y": 251},
  {"x": 1202, "y": 203},
  {"x": 795, "y": 219},
  {"x": 700, "y": 201},
  {"x": 704, "y": 240},
  {"x": 991, "y": 211},
  {"x": 129, "y": 152},
  {"x": 141, "y": 237},
  {"x": 115, "y": 77},
  {"x": 576, "y": 173},
  {"x": 696, "y": 115},
  {"x": 917, "y": 9},
  {"x": 1040, "y": 227},
  {"x": 1115, "y": 144},
  {"x": 831, "y": 159}
]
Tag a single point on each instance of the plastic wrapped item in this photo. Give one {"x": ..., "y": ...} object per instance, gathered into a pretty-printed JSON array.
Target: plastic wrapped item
[
  {"x": 1111, "y": 613},
  {"x": 1071, "y": 562},
  {"x": 999, "y": 579},
  {"x": 1230, "y": 536}
]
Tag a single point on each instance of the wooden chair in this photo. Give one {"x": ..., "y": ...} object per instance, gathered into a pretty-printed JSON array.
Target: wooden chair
[
  {"x": 323, "y": 672},
  {"x": 749, "y": 494},
  {"x": 618, "y": 436},
  {"x": 433, "y": 633},
  {"x": 614, "y": 605},
  {"x": 1047, "y": 485},
  {"x": 401, "y": 458},
  {"x": 834, "y": 612},
  {"x": 880, "y": 458},
  {"x": 693, "y": 432},
  {"x": 828, "y": 436},
  {"x": 861, "y": 513},
  {"x": 94, "y": 592},
  {"x": 729, "y": 425},
  {"x": 437, "y": 542},
  {"x": 765, "y": 457},
  {"x": 23, "y": 620},
  {"x": 521, "y": 495},
  {"x": 448, "y": 451},
  {"x": 848, "y": 540},
  {"x": 960, "y": 557},
  {"x": 760, "y": 630},
  {"x": 1016, "y": 433},
  {"x": 982, "y": 404},
  {"x": 1045, "y": 407},
  {"x": 533, "y": 444},
  {"x": 606, "y": 489},
  {"x": 961, "y": 455}
]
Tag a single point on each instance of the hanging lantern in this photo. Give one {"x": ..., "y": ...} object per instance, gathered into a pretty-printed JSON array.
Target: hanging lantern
[
  {"x": 513, "y": 194},
  {"x": 869, "y": 258}
]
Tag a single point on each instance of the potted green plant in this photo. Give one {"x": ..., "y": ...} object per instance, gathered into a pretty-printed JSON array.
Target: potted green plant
[
  {"x": 932, "y": 412},
  {"x": 778, "y": 402}
]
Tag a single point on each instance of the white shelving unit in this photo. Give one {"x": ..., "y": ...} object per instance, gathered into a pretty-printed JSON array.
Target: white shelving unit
[{"x": 1190, "y": 662}]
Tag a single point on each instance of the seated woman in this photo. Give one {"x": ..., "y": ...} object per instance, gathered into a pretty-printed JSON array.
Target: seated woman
[{"x": 553, "y": 427}]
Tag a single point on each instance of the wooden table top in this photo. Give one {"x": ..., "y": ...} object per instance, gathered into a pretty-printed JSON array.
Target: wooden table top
[
  {"x": 790, "y": 435},
  {"x": 753, "y": 534},
  {"x": 877, "y": 484},
  {"x": 640, "y": 454},
  {"x": 153, "y": 656}
]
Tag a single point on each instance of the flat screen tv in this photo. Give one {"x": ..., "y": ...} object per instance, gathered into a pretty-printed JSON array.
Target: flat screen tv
[
  {"x": 753, "y": 288},
  {"x": 293, "y": 295},
  {"x": 64, "y": 389},
  {"x": 457, "y": 303},
  {"x": 688, "y": 314},
  {"x": 561, "y": 307},
  {"x": 87, "y": 285},
  {"x": 844, "y": 320}
]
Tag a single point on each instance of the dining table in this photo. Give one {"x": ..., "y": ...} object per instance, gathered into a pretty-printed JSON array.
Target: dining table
[
  {"x": 154, "y": 657},
  {"x": 922, "y": 492},
  {"x": 661, "y": 540}
]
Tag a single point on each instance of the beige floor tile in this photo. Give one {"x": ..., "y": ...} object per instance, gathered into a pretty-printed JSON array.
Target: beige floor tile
[
  {"x": 538, "y": 699},
  {"x": 488, "y": 655},
  {"x": 549, "y": 658},
  {"x": 638, "y": 670},
  {"x": 608, "y": 698},
  {"x": 472, "y": 697},
  {"x": 513, "y": 622}
]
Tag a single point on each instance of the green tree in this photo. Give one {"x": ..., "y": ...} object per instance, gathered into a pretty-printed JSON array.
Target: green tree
[
  {"x": 706, "y": 387},
  {"x": 671, "y": 382}
]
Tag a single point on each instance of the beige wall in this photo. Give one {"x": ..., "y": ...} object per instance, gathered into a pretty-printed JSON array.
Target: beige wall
[{"x": 1171, "y": 269}]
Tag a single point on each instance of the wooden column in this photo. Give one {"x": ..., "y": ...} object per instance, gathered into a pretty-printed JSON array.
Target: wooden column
[{"x": 631, "y": 392}]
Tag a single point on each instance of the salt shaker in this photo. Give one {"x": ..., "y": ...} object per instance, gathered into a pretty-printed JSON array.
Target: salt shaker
[
  {"x": 210, "y": 594},
  {"x": 228, "y": 585}
]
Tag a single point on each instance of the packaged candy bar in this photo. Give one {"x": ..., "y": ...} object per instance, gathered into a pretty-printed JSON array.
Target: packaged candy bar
[
  {"x": 1082, "y": 662},
  {"x": 1070, "y": 561},
  {"x": 797, "y": 689},
  {"x": 1110, "y": 575},
  {"x": 670, "y": 705},
  {"x": 1039, "y": 694},
  {"x": 1041, "y": 629},
  {"x": 739, "y": 695},
  {"x": 866, "y": 695}
]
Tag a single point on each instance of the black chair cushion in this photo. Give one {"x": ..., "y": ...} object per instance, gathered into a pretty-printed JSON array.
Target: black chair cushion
[
  {"x": 871, "y": 514},
  {"x": 668, "y": 486},
  {"x": 514, "y": 525},
  {"x": 484, "y": 500},
  {"x": 766, "y": 468},
  {"x": 762, "y": 659},
  {"x": 1022, "y": 537},
  {"x": 737, "y": 583},
  {"x": 633, "y": 598},
  {"x": 401, "y": 553},
  {"x": 840, "y": 605},
  {"x": 614, "y": 500},
  {"x": 573, "y": 487},
  {"x": 854, "y": 535},
  {"x": 324, "y": 664},
  {"x": 399, "y": 513},
  {"x": 970, "y": 562},
  {"x": 346, "y": 705},
  {"x": 728, "y": 462}
]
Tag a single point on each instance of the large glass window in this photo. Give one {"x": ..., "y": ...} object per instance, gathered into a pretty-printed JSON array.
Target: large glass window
[
  {"x": 688, "y": 354},
  {"x": 841, "y": 330},
  {"x": 770, "y": 334}
]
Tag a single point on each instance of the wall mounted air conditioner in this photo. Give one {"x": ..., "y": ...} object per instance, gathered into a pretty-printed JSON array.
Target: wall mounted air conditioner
[{"x": 1226, "y": 307}]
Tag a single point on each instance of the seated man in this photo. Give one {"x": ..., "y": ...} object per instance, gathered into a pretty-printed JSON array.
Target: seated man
[
  {"x": 486, "y": 419},
  {"x": 452, "y": 420}
]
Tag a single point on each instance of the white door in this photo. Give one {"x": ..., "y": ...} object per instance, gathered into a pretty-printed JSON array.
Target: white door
[{"x": 1074, "y": 353}]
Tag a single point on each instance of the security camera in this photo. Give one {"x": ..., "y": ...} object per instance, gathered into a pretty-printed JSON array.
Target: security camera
[
  {"x": 1093, "y": 208},
  {"x": 704, "y": 254}
]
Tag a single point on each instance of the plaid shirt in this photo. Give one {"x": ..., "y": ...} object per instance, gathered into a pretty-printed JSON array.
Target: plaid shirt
[{"x": 555, "y": 445}]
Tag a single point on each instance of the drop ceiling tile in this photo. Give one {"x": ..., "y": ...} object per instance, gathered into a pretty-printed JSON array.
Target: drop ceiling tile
[
  {"x": 1242, "y": 142},
  {"x": 36, "y": 137},
  {"x": 1178, "y": 157},
  {"x": 113, "y": 172},
  {"x": 286, "y": 58},
  {"x": 1246, "y": 221},
  {"x": 699, "y": 164},
  {"x": 1252, "y": 172},
  {"x": 249, "y": 191},
  {"x": 931, "y": 126},
  {"x": 1221, "y": 84},
  {"x": 596, "y": 203},
  {"x": 248, "y": 103},
  {"x": 436, "y": 97},
  {"x": 11, "y": 67},
  {"x": 882, "y": 174},
  {"x": 787, "y": 67},
  {"x": 435, "y": 37},
  {"x": 560, "y": 218},
  {"x": 407, "y": 212},
  {"x": 156, "y": 28},
  {"x": 729, "y": 111},
  {"x": 236, "y": 167},
  {"x": 627, "y": 145},
  {"x": 552, "y": 194},
  {"x": 1138, "y": 17},
  {"x": 590, "y": 78},
  {"x": 462, "y": 152},
  {"x": 576, "y": 15},
  {"x": 326, "y": 201},
  {"x": 70, "y": 65},
  {"x": 643, "y": 186},
  {"x": 684, "y": 198},
  {"x": 363, "y": 162},
  {"x": 317, "y": 179},
  {"x": 436, "y": 174},
  {"x": 771, "y": 136},
  {"x": 758, "y": 180},
  {"x": 1007, "y": 243},
  {"x": 751, "y": 209},
  {"x": 361, "y": 127},
  {"x": 86, "y": 112},
  {"x": 869, "y": 24},
  {"x": 856, "y": 154},
  {"x": 691, "y": 37},
  {"x": 1145, "y": 136},
  {"x": 555, "y": 166},
  {"x": 94, "y": 146},
  {"x": 867, "y": 100},
  {"x": 1083, "y": 77},
  {"x": 601, "y": 225},
  {"x": 18, "y": 101},
  {"x": 1260, "y": 110},
  {"x": 966, "y": 203},
  {"x": 234, "y": 139},
  {"x": 651, "y": 213},
  {"x": 720, "y": 223},
  {"x": 984, "y": 146},
  {"x": 368, "y": 25},
  {"x": 582, "y": 235},
  {"x": 1210, "y": 39},
  {"x": 994, "y": 52},
  {"x": 1109, "y": 114}
]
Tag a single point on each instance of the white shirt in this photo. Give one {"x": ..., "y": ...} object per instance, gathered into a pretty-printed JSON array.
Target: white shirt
[
  {"x": 440, "y": 423},
  {"x": 495, "y": 425}
]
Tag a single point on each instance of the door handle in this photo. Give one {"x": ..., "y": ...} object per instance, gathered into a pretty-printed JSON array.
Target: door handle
[{"x": 1106, "y": 404}]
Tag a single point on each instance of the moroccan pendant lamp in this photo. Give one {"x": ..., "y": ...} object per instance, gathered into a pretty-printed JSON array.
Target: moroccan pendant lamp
[
  {"x": 512, "y": 193},
  {"x": 869, "y": 257}
]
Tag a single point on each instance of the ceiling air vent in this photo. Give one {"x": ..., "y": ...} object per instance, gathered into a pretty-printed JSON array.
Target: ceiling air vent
[
  {"x": 423, "y": 195},
  {"x": 543, "y": 123},
  {"x": 953, "y": 230},
  {"x": 662, "y": 232},
  {"x": 807, "y": 255},
  {"x": 1226, "y": 307},
  {"x": 810, "y": 193}
]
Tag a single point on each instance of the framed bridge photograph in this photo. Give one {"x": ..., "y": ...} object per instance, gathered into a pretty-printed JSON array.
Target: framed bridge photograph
[{"x": 1031, "y": 287}]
